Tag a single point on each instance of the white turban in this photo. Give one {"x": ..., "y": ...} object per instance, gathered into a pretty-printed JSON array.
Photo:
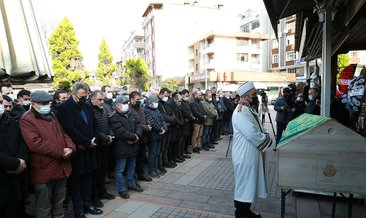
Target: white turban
[{"x": 245, "y": 88}]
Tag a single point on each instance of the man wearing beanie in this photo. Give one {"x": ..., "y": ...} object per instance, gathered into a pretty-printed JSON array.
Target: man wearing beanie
[
  {"x": 50, "y": 151},
  {"x": 250, "y": 140}
]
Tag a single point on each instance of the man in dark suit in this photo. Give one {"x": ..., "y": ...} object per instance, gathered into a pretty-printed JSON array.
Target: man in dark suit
[{"x": 77, "y": 119}]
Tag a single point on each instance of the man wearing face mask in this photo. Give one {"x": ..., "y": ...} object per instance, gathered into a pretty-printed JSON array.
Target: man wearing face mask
[
  {"x": 108, "y": 99},
  {"x": 176, "y": 142},
  {"x": 250, "y": 140},
  {"x": 102, "y": 150},
  {"x": 13, "y": 163},
  {"x": 168, "y": 114},
  {"x": 159, "y": 128},
  {"x": 313, "y": 102},
  {"x": 283, "y": 106},
  {"x": 127, "y": 132},
  {"x": 200, "y": 117},
  {"x": 50, "y": 151},
  {"x": 211, "y": 112},
  {"x": 299, "y": 106},
  {"x": 23, "y": 97},
  {"x": 77, "y": 119},
  {"x": 136, "y": 109}
]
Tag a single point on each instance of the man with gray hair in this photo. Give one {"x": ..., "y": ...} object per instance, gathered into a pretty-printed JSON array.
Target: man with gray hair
[{"x": 77, "y": 119}]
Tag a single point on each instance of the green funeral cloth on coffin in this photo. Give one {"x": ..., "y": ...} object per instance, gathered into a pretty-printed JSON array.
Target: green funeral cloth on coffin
[{"x": 300, "y": 125}]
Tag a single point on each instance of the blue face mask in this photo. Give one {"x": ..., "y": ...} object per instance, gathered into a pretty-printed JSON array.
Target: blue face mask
[{"x": 142, "y": 102}]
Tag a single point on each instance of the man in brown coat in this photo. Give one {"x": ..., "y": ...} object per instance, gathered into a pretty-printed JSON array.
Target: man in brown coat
[{"x": 50, "y": 150}]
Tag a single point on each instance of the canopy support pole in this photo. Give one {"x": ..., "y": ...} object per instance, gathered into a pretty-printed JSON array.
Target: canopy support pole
[{"x": 326, "y": 57}]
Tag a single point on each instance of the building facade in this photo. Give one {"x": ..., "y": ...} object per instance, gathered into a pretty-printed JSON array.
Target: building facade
[
  {"x": 224, "y": 59},
  {"x": 133, "y": 47},
  {"x": 168, "y": 30}
]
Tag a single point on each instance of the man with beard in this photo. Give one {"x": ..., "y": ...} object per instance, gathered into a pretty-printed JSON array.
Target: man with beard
[
  {"x": 23, "y": 97},
  {"x": 13, "y": 157},
  {"x": 250, "y": 139},
  {"x": 283, "y": 106},
  {"x": 59, "y": 97},
  {"x": 136, "y": 109}
]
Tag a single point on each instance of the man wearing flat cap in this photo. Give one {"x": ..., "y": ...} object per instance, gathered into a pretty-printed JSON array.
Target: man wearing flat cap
[
  {"x": 50, "y": 151},
  {"x": 127, "y": 131},
  {"x": 250, "y": 140}
]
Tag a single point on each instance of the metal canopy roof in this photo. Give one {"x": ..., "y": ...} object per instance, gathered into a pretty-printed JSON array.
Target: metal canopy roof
[{"x": 348, "y": 25}]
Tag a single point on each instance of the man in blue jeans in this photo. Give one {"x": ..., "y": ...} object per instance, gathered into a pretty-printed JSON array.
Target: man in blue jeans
[{"x": 127, "y": 132}]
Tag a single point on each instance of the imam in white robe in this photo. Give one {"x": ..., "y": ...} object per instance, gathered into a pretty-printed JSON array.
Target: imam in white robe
[{"x": 248, "y": 160}]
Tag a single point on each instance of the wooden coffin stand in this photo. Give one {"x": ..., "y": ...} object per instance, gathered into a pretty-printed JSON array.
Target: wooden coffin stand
[{"x": 319, "y": 154}]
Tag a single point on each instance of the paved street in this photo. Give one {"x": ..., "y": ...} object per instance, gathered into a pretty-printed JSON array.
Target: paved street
[{"x": 203, "y": 187}]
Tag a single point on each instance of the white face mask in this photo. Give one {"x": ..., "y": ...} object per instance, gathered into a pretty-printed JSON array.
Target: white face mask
[
  {"x": 185, "y": 99},
  {"x": 155, "y": 105},
  {"x": 299, "y": 99},
  {"x": 217, "y": 99},
  {"x": 44, "y": 109},
  {"x": 209, "y": 99},
  {"x": 109, "y": 95},
  {"x": 311, "y": 97},
  {"x": 2, "y": 110},
  {"x": 165, "y": 99},
  {"x": 26, "y": 103},
  {"x": 124, "y": 108}
]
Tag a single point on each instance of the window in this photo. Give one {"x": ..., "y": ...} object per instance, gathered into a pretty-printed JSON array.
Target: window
[
  {"x": 255, "y": 24},
  {"x": 275, "y": 59},
  {"x": 196, "y": 52},
  {"x": 290, "y": 26},
  {"x": 242, "y": 57},
  {"x": 290, "y": 56},
  {"x": 255, "y": 43},
  {"x": 256, "y": 59},
  {"x": 274, "y": 43},
  {"x": 242, "y": 42},
  {"x": 245, "y": 28},
  {"x": 290, "y": 40},
  {"x": 196, "y": 67}
]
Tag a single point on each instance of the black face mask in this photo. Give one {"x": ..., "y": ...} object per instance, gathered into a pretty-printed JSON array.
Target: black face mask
[
  {"x": 137, "y": 104},
  {"x": 82, "y": 100},
  {"x": 255, "y": 101}
]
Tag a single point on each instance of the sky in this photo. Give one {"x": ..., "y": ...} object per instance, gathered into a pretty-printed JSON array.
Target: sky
[{"x": 112, "y": 19}]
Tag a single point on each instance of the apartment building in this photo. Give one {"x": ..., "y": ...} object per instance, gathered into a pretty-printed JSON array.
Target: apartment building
[
  {"x": 223, "y": 59},
  {"x": 133, "y": 46},
  {"x": 168, "y": 30}
]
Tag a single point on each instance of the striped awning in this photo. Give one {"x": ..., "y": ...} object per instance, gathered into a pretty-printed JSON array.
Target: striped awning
[{"x": 23, "y": 55}]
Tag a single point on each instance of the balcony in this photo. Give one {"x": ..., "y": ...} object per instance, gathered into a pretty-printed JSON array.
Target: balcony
[{"x": 210, "y": 49}]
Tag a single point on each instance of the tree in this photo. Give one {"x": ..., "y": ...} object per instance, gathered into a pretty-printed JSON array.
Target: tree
[
  {"x": 342, "y": 62},
  {"x": 66, "y": 57},
  {"x": 136, "y": 74},
  {"x": 105, "y": 64},
  {"x": 171, "y": 84}
]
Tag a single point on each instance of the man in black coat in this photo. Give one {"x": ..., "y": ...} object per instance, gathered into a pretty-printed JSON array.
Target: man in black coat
[
  {"x": 127, "y": 132},
  {"x": 284, "y": 107},
  {"x": 176, "y": 142},
  {"x": 102, "y": 150},
  {"x": 168, "y": 114},
  {"x": 77, "y": 119},
  {"x": 230, "y": 107},
  {"x": 136, "y": 109},
  {"x": 13, "y": 157},
  {"x": 188, "y": 119}
]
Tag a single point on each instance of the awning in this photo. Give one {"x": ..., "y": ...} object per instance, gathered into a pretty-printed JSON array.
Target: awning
[
  {"x": 348, "y": 26},
  {"x": 23, "y": 54}
]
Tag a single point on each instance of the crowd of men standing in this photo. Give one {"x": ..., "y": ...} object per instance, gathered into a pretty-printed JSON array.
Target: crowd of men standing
[{"x": 71, "y": 144}]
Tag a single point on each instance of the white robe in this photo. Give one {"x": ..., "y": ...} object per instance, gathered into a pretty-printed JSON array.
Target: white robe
[{"x": 248, "y": 160}]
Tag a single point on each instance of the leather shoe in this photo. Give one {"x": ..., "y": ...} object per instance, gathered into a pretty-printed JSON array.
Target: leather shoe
[
  {"x": 93, "y": 210},
  {"x": 211, "y": 146},
  {"x": 124, "y": 195},
  {"x": 205, "y": 148},
  {"x": 163, "y": 170},
  {"x": 154, "y": 174},
  {"x": 144, "y": 178},
  {"x": 186, "y": 156},
  {"x": 168, "y": 165},
  {"x": 106, "y": 196},
  {"x": 177, "y": 160},
  {"x": 215, "y": 143},
  {"x": 138, "y": 188},
  {"x": 161, "y": 173},
  {"x": 97, "y": 203},
  {"x": 188, "y": 152},
  {"x": 195, "y": 150}
]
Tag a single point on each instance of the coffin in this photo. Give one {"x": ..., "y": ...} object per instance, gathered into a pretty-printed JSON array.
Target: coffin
[{"x": 318, "y": 153}]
